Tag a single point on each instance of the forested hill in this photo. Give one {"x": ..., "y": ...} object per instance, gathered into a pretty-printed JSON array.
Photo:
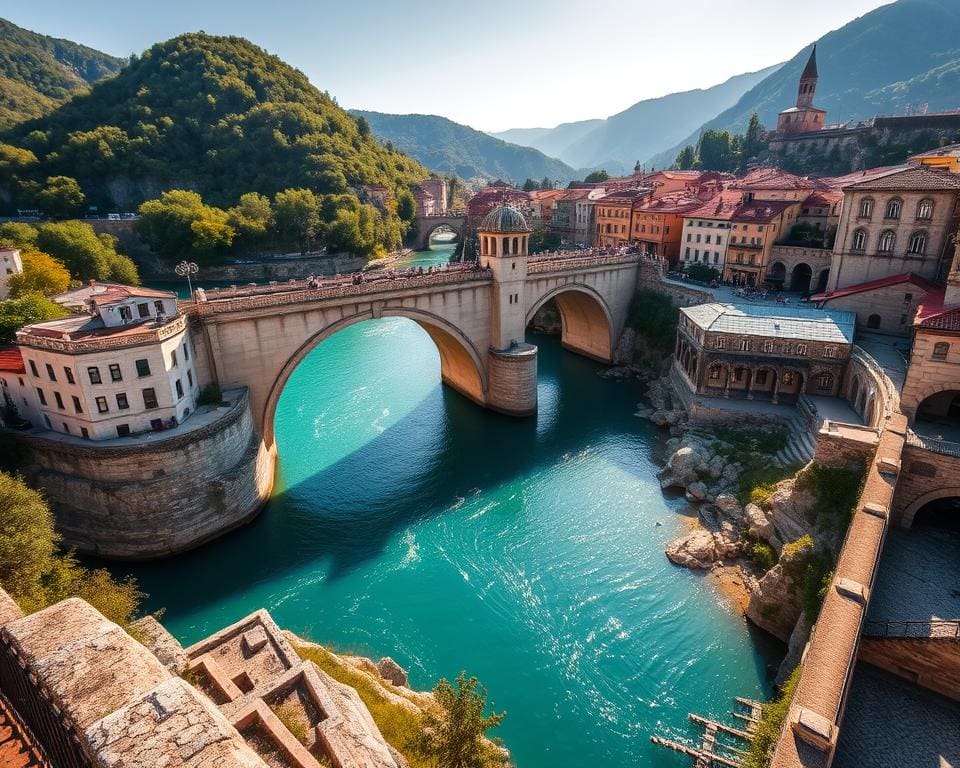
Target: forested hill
[
  {"x": 38, "y": 72},
  {"x": 447, "y": 147},
  {"x": 899, "y": 55},
  {"x": 218, "y": 115}
]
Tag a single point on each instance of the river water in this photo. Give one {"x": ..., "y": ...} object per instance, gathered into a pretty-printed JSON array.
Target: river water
[{"x": 408, "y": 522}]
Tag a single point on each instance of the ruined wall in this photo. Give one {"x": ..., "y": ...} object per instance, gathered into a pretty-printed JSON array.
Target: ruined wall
[{"x": 159, "y": 497}]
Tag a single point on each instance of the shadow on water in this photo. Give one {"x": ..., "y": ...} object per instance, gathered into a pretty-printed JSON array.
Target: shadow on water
[{"x": 443, "y": 451}]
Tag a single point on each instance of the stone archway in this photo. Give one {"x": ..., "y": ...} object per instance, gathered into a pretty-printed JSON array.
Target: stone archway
[
  {"x": 587, "y": 326},
  {"x": 909, "y": 514},
  {"x": 777, "y": 273},
  {"x": 800, "y": 278},
  {"x": 461, "y": 366}
]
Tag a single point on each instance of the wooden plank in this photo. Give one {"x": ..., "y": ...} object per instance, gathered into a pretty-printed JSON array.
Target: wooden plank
[
  {"x": 748, "y": 702},
  {"x": 722, "y": 760},
  {"x": 742, "y": 716},
  {"x": 720, "y": 726}
]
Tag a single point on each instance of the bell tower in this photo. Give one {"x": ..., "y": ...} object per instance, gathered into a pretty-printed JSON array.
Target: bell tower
[{"x": 808, "y": 81}]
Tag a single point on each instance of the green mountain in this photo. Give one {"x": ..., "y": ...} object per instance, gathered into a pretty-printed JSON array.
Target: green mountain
[
  {"x": 217, "y": 115},
  {"x": 903, "y": 54},
  {"x": 649, "y": 126},
  {"x": 38, "y": 72},
  {"x": 447, "y": 147}
]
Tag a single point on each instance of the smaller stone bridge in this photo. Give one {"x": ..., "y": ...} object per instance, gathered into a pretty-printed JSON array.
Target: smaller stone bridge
[{"x": 427, "y": 225}]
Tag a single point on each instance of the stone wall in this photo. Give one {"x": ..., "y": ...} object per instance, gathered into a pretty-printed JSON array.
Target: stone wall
[
  {"x": 931, "y": 662},
  {"x": 928, "y": 373},
  {"x": 651, "y": 276},
  {"x": 925, "y": 476},
  {"x": 895, "y": 305},
  {"x": 157, "y": 497}
]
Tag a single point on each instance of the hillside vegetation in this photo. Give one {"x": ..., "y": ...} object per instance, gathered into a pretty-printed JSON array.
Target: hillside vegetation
[
  {"x": 38, "y": 72},
  {"x": 447, "y": 147}
]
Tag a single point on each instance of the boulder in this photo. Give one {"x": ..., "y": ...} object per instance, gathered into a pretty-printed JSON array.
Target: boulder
[
  {"x": 758, "y": 523},
  {"x": 789, "y": 505},
  {"x": 727, "y": 541},
  {"x": 696, "y": 549},
  {"x": 730, "y": 473},
  {"x": 696, "y": 491},
  {"x": 798, "y": 641},
  {"x": 715, "y": 467},
  {"x": 776, "y": 603},
  {"x": 728, "y": 506},
  {"x": 390, "y": 670}
]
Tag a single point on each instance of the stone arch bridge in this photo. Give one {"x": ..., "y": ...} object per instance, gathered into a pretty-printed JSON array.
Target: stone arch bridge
[
  {"x": 255, "y": 337},
  {"x": 427, "y": 225}
]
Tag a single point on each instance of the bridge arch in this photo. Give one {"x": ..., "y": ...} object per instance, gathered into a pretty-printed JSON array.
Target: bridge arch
[
  {"x": 461, "y": 366},
  {"x": 587, "y": 325},
  {"x": 909, "y": 514},
  {"x": 427, "y": 225}
]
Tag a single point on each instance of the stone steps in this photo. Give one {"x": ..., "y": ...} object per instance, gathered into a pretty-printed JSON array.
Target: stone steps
[{"x": 800, "y": 445}]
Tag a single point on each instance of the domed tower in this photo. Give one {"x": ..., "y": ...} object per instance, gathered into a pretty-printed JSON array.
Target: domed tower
[{"x": 504, "y": 240}]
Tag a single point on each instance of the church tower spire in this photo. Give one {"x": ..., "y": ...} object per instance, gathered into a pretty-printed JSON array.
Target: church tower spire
[{"x": 808, "y": 81}]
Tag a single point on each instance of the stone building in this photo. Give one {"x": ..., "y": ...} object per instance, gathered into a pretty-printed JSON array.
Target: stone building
[
  {"x": 17, "y": 404},
  {"x": 895, "y": 220},
  {"x": 657, "y": 223},
  {"x": 888, "y": 305},
  {"x": 436, "y": 189},
  {"x": 706, "y": 231},
  {"x": 754, "y": 229},
  {"x": 574, "y": 215},
  {"x": 758, "y": 352},
  {"x": 122, "y": 364},
  {"x": 613, "y": 213},
  {"x": 803, "y": 117},
  {"x": 10, "y": 265}
]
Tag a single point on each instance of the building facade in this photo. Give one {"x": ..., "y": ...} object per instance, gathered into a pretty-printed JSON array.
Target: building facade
[
  {"x": 613, "y": 215},
  {"x": 706, "y": 232},
  {"x": 657, "y": 223},
  {"x": 754, "y": 229},
  {"x": 10, "y": 265}
]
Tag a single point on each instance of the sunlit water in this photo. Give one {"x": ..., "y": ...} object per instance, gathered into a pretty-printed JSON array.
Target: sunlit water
[{"x": 408, "y": 522}]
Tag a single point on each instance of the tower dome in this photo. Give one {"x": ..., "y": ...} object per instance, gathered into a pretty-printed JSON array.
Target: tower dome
[{"x": 504, "y": 218}]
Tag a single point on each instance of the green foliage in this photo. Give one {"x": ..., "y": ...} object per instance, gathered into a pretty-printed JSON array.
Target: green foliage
[
  {"x": 61, "y": 197},
  {"x": 654, "y": 316},
  {"x": 298, "y": 216},
  {"x": 768, "y": 440},
  {"x": 703, "y": 272},
  {"x": 87, "y": 255},
  {"x": 18, "y": 234},
  {"x": 686, "y": 159},
  {"x": 33, "y": 572},
  {"x": 763, "y": 555},
  {"x": 531, "y": 185},
  {"x": 771, "y": 723},
  {"x": 753, "y": 143},
  {"x": 596, "y": 176},
  {"x": 179, "y": 222},
  {"x": 836, "y": 490},
  {"x": 454, "y": 738},
  {"x": 14, "y": 162},
  {"x": 719, "y": 150},
  {"x": 293, "y": 719},
  {"x": 816, "y": 581},
  {"x": 543, "y": 239},
  {"x": 41, "y": 274},
  {"x": 210, "y": 395},
  {"x": 21, "y": 311}
]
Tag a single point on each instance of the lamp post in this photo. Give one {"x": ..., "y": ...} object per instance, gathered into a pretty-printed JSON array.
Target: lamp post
[{"x": 186, "y": 269}]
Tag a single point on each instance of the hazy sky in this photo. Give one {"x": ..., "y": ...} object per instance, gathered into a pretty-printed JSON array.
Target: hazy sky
[{"x": 492, "y": 64}]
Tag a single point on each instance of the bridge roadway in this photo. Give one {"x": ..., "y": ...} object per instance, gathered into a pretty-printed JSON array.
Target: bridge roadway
[{"x": 255, "y": 336}]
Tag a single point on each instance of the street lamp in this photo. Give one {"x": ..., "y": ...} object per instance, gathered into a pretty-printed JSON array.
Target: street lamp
[{"x": 186, "y": 269}]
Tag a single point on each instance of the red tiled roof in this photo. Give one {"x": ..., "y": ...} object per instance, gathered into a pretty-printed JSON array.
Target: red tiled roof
[
  {"x": 883, "y": 282},
  {"x": 761, "y": 211},
  {"x": 839, "y": 182},
  {"x": 946, "y": 320},
  {"x": 919, "y": 177},
  {"x": 624, "y": 196},
  {"x": 109, "y": 293},
  {"x": 678, "y": 202},
  {"x": 720, "y": 206},
  {"x": 824, "y": 198},
  {"x": 774, "y": 179},
  {"x": 11, "y": 361}
]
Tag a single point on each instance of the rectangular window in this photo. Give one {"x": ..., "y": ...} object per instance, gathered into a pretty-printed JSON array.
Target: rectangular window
[
  {"x": 102, "y": 406},
  {"x": 173, "y": 358},
  {"x": 42, "y": 397},
  {"x": 179, "y": 387},
  {"x": 77, "y": 408},
  {"x": 143, "y": 368},
  {"x": 149, "y": 398},
  {"x": 122, "y": 403},
  {"x": 94, "y": 373},
  {"x": 50, "y": 374},
  {"x": 69, "y": 374},
  {"x": 158, "y": 305},
  {"x": 84, "y": 433},
  {"x": 190, "y": 378},
  {"x": 143, "y": 309},
  {"x": 156, "y": 424},
  {"x": 123, "y": 430},
  {"x": 56, "y": 396},
  {"x": 33, "y": 368},
  {"x": 66, "y": 427},
  {"x": 761, "y": 377},
  {"x": 125, "y": 314},
  {"x": 186, "y": 350},
  {"x": 115, "y": 374}
]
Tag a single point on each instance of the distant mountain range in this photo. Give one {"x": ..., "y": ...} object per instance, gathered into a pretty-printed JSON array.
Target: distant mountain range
[
  {"x": 446, "y": 147},
  {"x": 903, "y": 54},
  {"x": 618, "y": 142},
  {"x": 38, "y": 72}
]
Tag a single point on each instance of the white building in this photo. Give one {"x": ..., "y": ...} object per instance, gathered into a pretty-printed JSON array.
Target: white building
[
  {"x": 123, "y": 365},
  {"x": 706, "y": 232},
  {"x": 10, "y": 265}
]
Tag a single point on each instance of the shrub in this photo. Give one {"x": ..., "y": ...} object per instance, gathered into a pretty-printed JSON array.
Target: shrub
[
  {"x": 701, "y": 272},
  {"x": 293, "y": 720},
  {"x": 654, "y": 317},
  {"x": 455, "y": 736},
  {"x": 763, "y": 555},
  {"x": 771, "y": 723}
]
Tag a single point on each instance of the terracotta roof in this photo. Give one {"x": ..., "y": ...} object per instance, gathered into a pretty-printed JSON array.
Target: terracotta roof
[
  {"x": 948, "y": 151},
  {"x": 948, "y": 320},
  {"x": 824, "y": 198},
  {"x": 883, "y": 282},
  {"x": 774, "y": 179},
  {"x": 678, "y": 202},
  {"x": 11, "y": 361},
  {"x": 720, "y": 206},
  {"x": 109, "y": 293},
  {"x": 839, "y": 182},
  {"x": 577, "y": 194},
  {"x": 624, "y": 196},
  {"x": 920, "y": 177},
  {"x": 761, "y": 211}
]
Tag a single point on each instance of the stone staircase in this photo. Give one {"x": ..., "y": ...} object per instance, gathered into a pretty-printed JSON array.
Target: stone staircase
[
  {"x": 17, "y": 748},
  {"x": 800, "y": 444}
]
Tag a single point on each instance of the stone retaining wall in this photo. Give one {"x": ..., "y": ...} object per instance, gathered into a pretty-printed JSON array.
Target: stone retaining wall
[
  {"x": 925, "y": 476},
  {"x": 930, "y": 662},
  {"x": 157, "y": 498}
]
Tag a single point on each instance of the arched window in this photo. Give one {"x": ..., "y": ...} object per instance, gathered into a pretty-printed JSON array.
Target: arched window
[
  {"x": 744, "y": 345},
  {"x": 873, "y": 321},
  {"x": 493, "y": 246},
  {"x": 516, "y": 245},
  {"x": 918, "y": 243},
  {"x": 715, "y": 372},
  {"x": 859, "y": 240},
  {"x": 801, "y": 349},
  {"x": 887, "y": 239},
  {"x": 894, "y": 207},
  {"x": 866, "y": 208},
  {"x": 506, "y": 246},
  {"x": 825, "y": 382},
  {"x": 940, "y": 350},
  {"x": 925, "y": 209}
]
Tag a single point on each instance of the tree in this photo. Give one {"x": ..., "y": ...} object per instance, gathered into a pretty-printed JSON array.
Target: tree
[
  {"x": 546, "y": 183},
  {"x": 363, "y": 126},
  {"x": 717, "y": 151},
  {"x": 406, "y": 205},
  {"x": 180, "y": 221},
  {"x": 86, "y": 254},
  {"x": 687, "y": 159},
  {"x": 454, "y": 738},
  {"x": 41, "y": 274},
  {"x": 14, "y": 161},
  {"x": 702, "y": 272},
  {"x": 61, "y": 197},
  {"x": 542, "y": 239},
  {"x": 596, "y": 176},
  {"x": 297, "y": 213},
  {"x": 18, "y": 234},
  {"x": 753, "y": 140},
  {"x": 252, "y": 217},
  {"x": 531, "y": 185},
  {"x": 24, "y": 310}
]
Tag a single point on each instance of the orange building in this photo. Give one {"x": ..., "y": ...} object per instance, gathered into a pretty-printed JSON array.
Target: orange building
[
  {"x": 614, "y": 213},
  {"x": 657, "y": 223},
  {"x": 754, "y": 229}
]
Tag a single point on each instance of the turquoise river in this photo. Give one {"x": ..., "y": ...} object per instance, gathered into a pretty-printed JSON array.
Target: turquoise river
[{"x": 408, "y": 522}]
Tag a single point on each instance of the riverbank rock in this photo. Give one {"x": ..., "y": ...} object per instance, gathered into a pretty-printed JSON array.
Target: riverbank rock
[
  {"x": 390, "y": 670},
  {"x": 798, "y": 641},
  {"x": 697, "y": 549},
  {"x": 789, "y": 507},
  {"x": 759, "y": 525},
  {"x": 777, "y": 603},
  {"x": 696, "y": 491},
  {"x": 728, "y": 506}
]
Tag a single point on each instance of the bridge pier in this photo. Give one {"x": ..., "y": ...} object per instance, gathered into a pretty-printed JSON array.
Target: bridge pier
[{"x": 513, "y": 380}]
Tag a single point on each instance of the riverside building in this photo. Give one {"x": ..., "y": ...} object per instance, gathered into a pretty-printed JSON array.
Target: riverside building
[
  {"x": 10, "y": 265},
  {"x": 122, "y": 364}
]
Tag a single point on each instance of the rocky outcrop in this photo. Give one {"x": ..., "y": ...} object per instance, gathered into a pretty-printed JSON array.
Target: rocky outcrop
[
  {"x": 795, "y": 646},
  {"x": 391, "y": 671},
  {"x": 776, "y": 604},
  {"x": 696, "y": 549},
  {"x": 790, "y": 505}
]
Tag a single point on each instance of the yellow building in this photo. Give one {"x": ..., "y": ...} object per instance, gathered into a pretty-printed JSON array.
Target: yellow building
[
  {"x": 943, "y": 158},
  {"x": 754, "y": 229}
]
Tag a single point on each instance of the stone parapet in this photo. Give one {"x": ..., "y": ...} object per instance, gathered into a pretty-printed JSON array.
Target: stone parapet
[{"x": 114, "y": 341}]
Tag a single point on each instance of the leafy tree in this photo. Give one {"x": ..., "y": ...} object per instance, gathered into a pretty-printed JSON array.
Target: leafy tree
[
  {"x": 702, "y": 272},
  {"x": 753, "y": 139},
  {"x": 252, "y": 217},
  {"x": 455, "y": 737},
  {"x": 18, "y": 234},
  {"x": 33, "y": 572},
  {"x": 687, "y": 159},
  {"x": 179, "y": 221},
  {"x": 363, "y": 126},
  {"x": 406, "y": 205},
  {"x": 24, "y": 310},
  {"x": 718, "y": 151},
  {"x": 596, "y": 176},
  {"x": 86, "y": 254},
  {"x": 542, "y": 239},
  {"x": 61, "y": 197},
  {"x": 14, "y": 161},
  {"x": 41, "y": 274},
  {"x": 297, "y": 213},
  {"x": 531, "y": 185}
]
